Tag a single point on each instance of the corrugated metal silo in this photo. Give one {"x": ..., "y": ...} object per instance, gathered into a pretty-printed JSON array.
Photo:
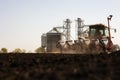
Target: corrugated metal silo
[
  {"x": 44, "y": 40},
  {"x": 52, "y": 39}
]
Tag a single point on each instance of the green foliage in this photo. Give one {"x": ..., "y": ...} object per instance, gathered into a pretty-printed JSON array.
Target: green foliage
[
  {"x": 4, "y": 50},
  {"x": 18, "y": 50},
  {"x": 40, "y": 49}
]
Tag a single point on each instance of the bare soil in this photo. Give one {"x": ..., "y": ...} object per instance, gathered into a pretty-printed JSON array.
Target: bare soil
[{"x": 42, "y": 66}]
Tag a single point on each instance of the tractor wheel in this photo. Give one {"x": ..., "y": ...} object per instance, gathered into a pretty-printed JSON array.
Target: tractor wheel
[{"x": 116, "y": 47}]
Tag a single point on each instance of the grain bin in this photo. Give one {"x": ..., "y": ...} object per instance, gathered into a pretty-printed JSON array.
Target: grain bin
[
  {"x": 52, "y": 39},
  {"x": 43, "y": 40}
]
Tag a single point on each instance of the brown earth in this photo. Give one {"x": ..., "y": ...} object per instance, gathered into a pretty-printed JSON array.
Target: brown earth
[{"x": 34, "y": 66}]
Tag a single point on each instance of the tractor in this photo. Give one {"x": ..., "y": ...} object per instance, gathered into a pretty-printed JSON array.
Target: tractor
[{"x": 100, "y": 40}]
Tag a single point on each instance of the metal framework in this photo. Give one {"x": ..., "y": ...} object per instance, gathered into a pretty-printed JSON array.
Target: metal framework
[
  {"x": 79, "y": 27},
  {"x": 67, "y": 29}
]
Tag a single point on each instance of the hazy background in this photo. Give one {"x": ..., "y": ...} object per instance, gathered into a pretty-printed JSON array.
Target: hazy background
[{"x": 22, "y": 22}]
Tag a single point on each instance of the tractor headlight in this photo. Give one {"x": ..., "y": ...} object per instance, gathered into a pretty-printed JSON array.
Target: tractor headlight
[
  {"x": 96, "y": 41},
  {"x": 105, "y": 41}
]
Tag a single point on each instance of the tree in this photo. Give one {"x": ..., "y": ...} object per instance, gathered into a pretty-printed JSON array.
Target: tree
[
  {"x": 40, "y": 49},
  {"x": 17, "y": 50},
  {"x": 4, "y": 50}
]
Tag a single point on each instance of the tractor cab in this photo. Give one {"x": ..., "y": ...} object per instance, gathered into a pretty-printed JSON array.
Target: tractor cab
[
  {"x": 99, "y": 36},
  {"x": 97, "y": 31}
]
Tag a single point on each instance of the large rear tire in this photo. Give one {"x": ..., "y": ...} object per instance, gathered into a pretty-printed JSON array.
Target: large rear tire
[{"x": 116, "y": 47}]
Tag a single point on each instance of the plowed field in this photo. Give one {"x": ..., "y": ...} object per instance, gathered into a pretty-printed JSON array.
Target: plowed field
[{"x": 34, "y": 66}]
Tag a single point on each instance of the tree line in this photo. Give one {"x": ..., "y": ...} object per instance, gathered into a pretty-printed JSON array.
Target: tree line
[{"x": 18, "y": 50}]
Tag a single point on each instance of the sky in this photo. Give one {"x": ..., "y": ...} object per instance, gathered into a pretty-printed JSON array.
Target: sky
[{"x": 22, "y": 22}]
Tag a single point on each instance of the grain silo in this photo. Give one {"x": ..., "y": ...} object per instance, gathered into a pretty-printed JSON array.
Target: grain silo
[{"x": 52, "y": 39}]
